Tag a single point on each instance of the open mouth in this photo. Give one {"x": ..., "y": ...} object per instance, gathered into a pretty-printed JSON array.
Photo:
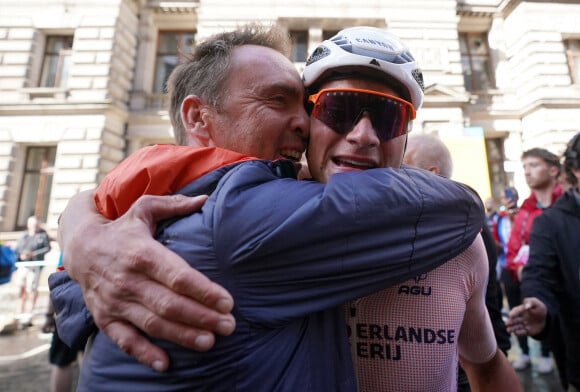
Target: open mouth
[
  {"x": 291, "y": 155},
  {"x": 360, "y": 165}
]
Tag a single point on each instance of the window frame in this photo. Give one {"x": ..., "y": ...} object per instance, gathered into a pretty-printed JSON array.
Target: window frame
[
  {"x": 573, "y": 59},
  {"x": 63, "y": 57},
  {"x": 37, "y": 179},
  {"x": 329, "y": 33},
  {"x": 294, "y": 55},
  {"x": 160, "y": 87},
  {"x": 464, "y": 40}
]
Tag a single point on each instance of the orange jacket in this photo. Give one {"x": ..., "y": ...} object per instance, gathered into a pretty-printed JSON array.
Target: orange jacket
[{"x": 161, "y": 169}]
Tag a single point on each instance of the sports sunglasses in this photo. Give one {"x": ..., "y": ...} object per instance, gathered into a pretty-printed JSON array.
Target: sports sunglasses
[{"x": 342, "y": 108}]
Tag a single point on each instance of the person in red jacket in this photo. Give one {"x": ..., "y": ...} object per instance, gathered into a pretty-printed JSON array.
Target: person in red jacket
[{"x": 541, "y": 169}]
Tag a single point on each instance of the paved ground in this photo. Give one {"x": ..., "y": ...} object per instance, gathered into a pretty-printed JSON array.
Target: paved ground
[
  {"x": 24, "y": 363},
  {"x": 531, "y": 380}
]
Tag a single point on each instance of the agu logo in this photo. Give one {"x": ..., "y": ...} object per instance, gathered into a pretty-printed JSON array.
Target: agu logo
[{"x": 416, "y": 289}]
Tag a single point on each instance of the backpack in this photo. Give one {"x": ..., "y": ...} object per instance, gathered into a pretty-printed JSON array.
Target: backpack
[{"x": 7, "y": 263}]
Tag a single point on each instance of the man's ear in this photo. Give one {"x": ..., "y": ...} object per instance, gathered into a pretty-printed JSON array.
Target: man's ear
[
  {"x": 192, "y": 112},
  {"x": 554, "y": 171},
  {"x": 434, "y": 169},
  {"x": 195, "y": 116}
]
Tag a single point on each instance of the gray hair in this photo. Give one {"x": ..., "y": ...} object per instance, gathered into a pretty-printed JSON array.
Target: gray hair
[{"x": 205, "y": 72}]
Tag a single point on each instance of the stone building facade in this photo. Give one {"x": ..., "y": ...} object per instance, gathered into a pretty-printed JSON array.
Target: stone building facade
[{"x": 81, "y": 81}]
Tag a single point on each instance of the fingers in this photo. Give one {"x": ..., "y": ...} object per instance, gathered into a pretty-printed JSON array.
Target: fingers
[
  {"x": 124, "y": 320},
  {"x": 175, "y": 274},
  {"x": 166, "y": 284},
  {"x": 131, "y": 282},
  {"x": 518, "y": 326},
  {"x": 515, "y": 323},
  {"x": 141, "y": 253},
  {"x": 152, "y": 209},
  {"x": 184, "y": 335},
  {"x": 128, "y": 337},
  {"x": 134, "y": 295},
  {"x": 124, "y": 298},
  {"x": 519, "y": 330},
  {"x": 136, "y": 345},
  {"x": 168, "y": 305},
  {"x": 516, "y": 311},
  {"x": 168, "y": 314}
]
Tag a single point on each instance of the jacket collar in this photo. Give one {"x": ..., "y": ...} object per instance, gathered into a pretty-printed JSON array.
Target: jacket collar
[{"x": 531, "y": 203}]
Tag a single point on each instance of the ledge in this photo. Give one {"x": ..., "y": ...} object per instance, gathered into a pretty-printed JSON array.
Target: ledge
[{"x": 45, "y": 93}]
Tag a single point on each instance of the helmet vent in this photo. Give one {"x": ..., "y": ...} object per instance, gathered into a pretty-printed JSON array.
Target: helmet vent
[
  {"x": 319, "y": 53},
  {"x": 418, "y": 76},
  {"x": 375, "y": 62}
]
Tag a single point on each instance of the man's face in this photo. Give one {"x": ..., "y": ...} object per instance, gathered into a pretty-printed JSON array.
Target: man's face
[
  {"x": 263, "y": 113},
  {"x": 360, "y": 149},
  {"x": 539, "y": 175},
  {"x": 32, "y": 224}
]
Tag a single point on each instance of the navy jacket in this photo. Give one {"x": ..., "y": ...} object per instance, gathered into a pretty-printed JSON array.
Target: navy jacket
[{"x": 291, "y": 252}]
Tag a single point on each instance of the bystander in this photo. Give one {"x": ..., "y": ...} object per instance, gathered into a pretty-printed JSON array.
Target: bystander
[{"x": 32, "y": 246}]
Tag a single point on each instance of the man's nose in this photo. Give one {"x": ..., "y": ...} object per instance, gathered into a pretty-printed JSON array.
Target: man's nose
[{"x": 363, "y": 132}]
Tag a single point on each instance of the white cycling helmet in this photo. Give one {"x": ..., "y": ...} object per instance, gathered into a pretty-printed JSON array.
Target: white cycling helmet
[{"x": 367, "y": 51}]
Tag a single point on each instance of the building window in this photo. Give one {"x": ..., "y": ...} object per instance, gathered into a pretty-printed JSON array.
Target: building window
[
  {"x": 171, "y": 46},
  {"x": 475, "y": 61},
  {"x": 299, "y": 45},
  {"x": 327, "y": 34},
  {"x": 498, "y": 178},
  {"x": 36, "y": 184},
  {"x": 56, "y": 61},
  {"x": 573, "y": 55}
]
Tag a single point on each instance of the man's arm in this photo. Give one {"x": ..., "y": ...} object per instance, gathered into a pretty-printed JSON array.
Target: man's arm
[
  {"x": 540, "y": 283},
  {"x": 494, "y": 375},
  {"x": 132, "y": 282},
  {"x": 458, "y": 218},
  {"x": 542, "y": 275},
  {"x": 493, "y": 297},
  {"x": 486, "y": 370},
  {"x": 324, "y": 245}
]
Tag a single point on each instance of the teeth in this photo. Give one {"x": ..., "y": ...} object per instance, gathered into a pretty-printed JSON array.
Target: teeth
[
  {"x": 355, "y": 163},
  {"x": 291, "y": 154}
]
